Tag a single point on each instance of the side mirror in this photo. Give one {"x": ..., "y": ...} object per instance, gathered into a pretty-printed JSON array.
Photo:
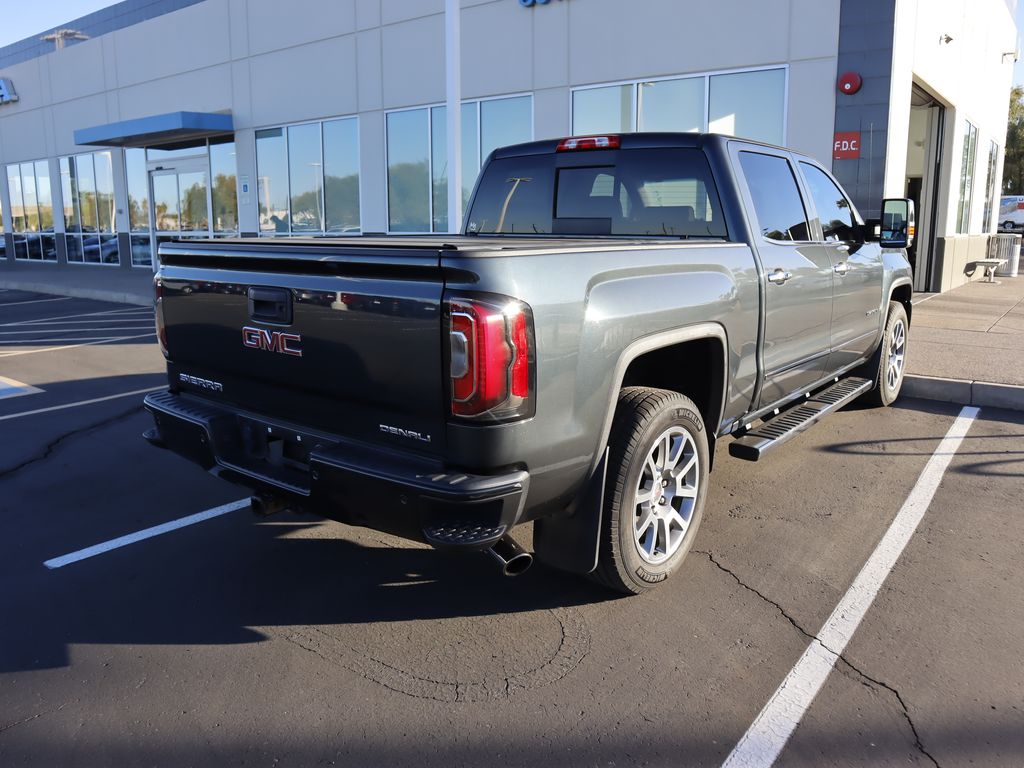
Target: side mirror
[{"x": 897, "y": 222}]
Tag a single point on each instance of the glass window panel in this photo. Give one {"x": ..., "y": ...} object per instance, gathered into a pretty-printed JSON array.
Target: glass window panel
[
  {"x": 44, "y": 195},
  {"x": 777, "y": 203},
  {"x": 470, "y": 151},
  {"x": 69, "y": 192},
  {"x": 86, "y": 192},
  {"x": 105, "y": 191},
  {"x": 603, "y": 110},
  {"x": 341, "y": 175},
  {"x": 138, "y": 196},
  {"x": 192, "y": 188},
  {"x": 142, "y": 254},
  {"x": 439, "y": 166},
  {"x": 305, "y": 174},
  {"x": 834, "y": 211},
  {"x": 504, "y": 122},
  {"x": 990, "y": 187},
  {"x": 967, "y": 178},
  {"x": 408, "y": 171},
  {"x": 48, "y": 243},
  {"x": 272, "y": 179},
  {"x": 28, "y": 191},
  {"x": 91, "y": 248},
  {"x": 20, "y": 246},
  {"x": 439, "y": 154},
  {"x": 17, "y": 201},
  {"x": 671, "y": 105},
  {"x": 749, "y": 104},
  {"x": 165, "y": 201},
  {"x": 223, "y": 171},
  {"x": 74, "y": 245},
  {"x": 33, "y": 246},
  {"x": 108, "y": 249}
]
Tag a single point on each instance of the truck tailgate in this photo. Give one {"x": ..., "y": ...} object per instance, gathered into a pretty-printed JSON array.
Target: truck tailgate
[{"x": 345, "y": 340}]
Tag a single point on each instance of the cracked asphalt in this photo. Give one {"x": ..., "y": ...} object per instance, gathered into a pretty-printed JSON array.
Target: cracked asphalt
[{"x": 292, "y": 641}]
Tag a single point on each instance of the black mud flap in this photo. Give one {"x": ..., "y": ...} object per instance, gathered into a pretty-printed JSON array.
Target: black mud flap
[{"x": 571, "y": 543}]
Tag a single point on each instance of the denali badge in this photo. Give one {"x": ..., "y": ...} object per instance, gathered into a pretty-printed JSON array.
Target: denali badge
[
  {"x": 404, "y": 433},
  {"x": 272, "y": 341},
  {"x": 195, "y": 381}
]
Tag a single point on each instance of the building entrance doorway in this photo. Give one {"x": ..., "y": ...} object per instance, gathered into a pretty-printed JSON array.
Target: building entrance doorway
[
  {"x": 181, "y": 201},
  {"x": 924, "y": 169}
]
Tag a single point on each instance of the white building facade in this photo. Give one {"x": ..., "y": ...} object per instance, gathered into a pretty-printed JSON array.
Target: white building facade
[{"x": 198, "y": 118}]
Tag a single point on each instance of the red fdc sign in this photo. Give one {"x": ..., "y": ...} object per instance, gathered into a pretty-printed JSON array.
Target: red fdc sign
[{"x": 846, "y": 145}]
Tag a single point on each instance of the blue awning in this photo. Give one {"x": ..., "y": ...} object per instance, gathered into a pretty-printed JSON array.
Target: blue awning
[{"x": 157, "y": 129}]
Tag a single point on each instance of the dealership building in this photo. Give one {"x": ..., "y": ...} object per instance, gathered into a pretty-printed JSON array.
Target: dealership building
[{"x": 159, "y": 119}]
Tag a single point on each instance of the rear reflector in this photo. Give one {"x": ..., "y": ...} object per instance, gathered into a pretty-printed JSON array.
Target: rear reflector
[{"x": 580, "y": 143}]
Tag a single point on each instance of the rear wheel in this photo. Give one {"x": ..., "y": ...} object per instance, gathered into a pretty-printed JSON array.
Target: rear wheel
[
  {"x": 889, "y": 361},
  {"x": 657, "y": 483}
]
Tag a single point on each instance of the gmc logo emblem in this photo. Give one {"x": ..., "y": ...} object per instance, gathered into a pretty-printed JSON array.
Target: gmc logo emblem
[{"x": 272, "y": 341}]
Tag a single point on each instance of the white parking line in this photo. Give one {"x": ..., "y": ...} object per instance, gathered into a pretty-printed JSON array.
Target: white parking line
[
  {"x": 763, "y": 742},
  {"x": 80, "y": 402},
  {"x": 34, "y": 301},
  {"x": 76, "y": 330},
  {"x": 105, "y": 312},
  {"x": 73, "y": 346},
  {"x": 148, "y": 533}
]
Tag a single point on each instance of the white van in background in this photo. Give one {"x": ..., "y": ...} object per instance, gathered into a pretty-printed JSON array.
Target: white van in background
[{"x": 1011, "y": 213}]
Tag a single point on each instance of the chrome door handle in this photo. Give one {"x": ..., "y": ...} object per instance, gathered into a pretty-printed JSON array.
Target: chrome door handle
[
  {"x": 841, "y": 268},
  {"x": 779, "y": 277},
  {"x": 843, "y": 247}
]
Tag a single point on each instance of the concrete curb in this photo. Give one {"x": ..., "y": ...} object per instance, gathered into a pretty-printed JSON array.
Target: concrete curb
[
  {"x": 963, "y": 392},
  {"x": 63, "y": 289}
]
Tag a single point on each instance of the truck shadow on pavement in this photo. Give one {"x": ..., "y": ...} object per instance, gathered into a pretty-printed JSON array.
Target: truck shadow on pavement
[{"x": 227, "y": 581}]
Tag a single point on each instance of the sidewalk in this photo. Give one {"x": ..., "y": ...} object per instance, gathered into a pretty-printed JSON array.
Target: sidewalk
[
  {"x": 967, "y": 345},
  {"x": 83, "y": 281}
]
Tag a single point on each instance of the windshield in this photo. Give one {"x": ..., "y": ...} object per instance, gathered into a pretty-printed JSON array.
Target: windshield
[{"x": 637, "y": 192}]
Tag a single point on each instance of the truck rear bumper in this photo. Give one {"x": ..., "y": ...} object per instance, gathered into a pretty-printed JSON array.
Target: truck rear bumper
[{"x": 404, "y": 494}]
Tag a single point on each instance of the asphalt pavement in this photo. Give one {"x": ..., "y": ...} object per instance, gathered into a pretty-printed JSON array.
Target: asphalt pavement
[{"x": 290, "y": 641}]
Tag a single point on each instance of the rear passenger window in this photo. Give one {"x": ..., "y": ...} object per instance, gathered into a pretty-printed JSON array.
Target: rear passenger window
[
  {"x": 777, "y": 203},
  {"x": 834, "y": 210}
]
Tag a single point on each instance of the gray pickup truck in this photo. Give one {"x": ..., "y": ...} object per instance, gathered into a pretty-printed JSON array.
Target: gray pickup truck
[{"x": 615, "y": 307}]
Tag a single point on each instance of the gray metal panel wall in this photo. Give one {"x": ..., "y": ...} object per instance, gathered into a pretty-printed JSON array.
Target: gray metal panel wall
[{"x": 866, "y": 35}]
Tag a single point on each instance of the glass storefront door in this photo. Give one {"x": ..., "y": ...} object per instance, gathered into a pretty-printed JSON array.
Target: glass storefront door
[{"x": 181, "y": 201}]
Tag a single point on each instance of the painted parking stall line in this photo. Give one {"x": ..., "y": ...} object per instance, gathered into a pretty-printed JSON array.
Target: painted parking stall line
[
  {"x": 764, "y": 741},
  {"x": 80, "y": 403},
  {"x": 73, "y": 346},
  {"x": 33, "y": 301},
  {"x": 147, "y": 533}
]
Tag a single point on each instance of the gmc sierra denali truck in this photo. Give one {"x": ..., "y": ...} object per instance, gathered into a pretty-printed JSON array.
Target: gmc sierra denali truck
[{"x": 615, "y": 306}]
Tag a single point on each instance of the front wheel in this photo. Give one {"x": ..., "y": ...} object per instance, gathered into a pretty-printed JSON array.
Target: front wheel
[
  {"x": 657, "y": 484},
  {"x": 889, "y": 361}
]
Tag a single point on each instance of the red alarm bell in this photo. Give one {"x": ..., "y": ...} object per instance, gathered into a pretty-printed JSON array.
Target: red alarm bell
[{"x": 850, "y": 83}]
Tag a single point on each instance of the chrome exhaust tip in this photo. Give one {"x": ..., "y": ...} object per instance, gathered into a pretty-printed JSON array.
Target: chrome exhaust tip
[{"x": 512, "y": 558}]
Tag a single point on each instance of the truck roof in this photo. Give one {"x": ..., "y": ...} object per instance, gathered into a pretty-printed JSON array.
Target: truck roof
[{"x": 641, "y": 140}]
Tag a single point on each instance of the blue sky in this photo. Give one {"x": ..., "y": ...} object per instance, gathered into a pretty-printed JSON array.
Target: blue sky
[{"x": 34, "y": 17}]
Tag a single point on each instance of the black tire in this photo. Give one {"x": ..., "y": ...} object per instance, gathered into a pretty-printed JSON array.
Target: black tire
[
  {"x": 884, "y": 392},
  {"x": 642, "y": 418}
]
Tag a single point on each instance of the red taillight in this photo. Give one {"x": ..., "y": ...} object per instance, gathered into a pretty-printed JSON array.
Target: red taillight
[
  {"x": 579, "y": 143},
  {"x": 491, "y": 358}
]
